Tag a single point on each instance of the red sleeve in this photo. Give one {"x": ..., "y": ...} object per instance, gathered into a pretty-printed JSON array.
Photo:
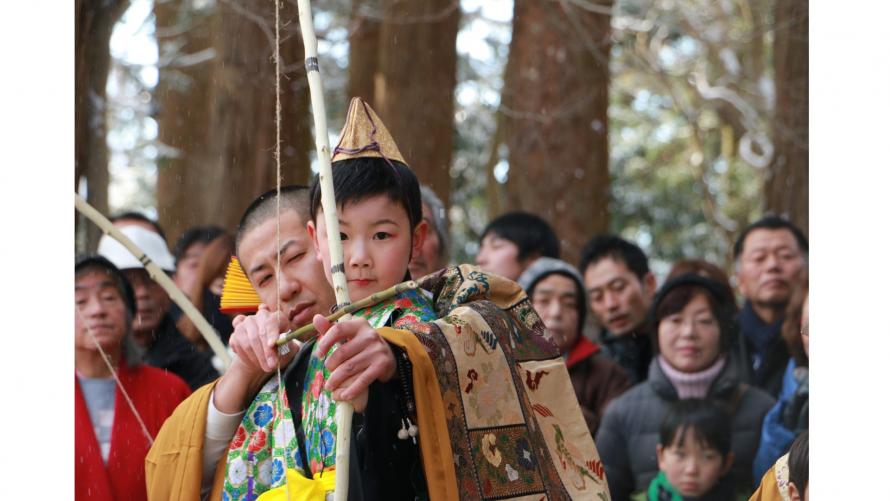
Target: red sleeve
[{"x": 169, "y": 389}]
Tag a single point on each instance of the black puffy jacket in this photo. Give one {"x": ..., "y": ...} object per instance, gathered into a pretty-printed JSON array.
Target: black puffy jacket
[{"x": 629, "y": 430}]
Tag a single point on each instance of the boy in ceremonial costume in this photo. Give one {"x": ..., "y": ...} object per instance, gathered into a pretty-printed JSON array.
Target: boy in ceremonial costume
[{"x": 472, "y": 377}]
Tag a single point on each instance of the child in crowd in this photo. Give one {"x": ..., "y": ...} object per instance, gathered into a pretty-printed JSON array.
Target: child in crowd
[{"x": 694, "y": 456}]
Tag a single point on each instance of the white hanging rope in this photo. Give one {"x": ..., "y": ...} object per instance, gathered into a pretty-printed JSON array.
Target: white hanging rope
[{"x": 280, "y": 392}]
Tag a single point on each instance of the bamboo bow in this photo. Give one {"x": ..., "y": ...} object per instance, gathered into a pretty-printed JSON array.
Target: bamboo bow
[
  {"x": 329, "y": 206},
  {"x": 159, "y": 276}
]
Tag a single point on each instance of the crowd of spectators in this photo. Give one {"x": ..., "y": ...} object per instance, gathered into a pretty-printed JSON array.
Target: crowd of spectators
[{"x": 687, "y": 391}]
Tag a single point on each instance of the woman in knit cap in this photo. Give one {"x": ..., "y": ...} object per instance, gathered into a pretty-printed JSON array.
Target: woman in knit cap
[
  {"x": 692, "y": 324},
  {"x": 556, "y": 290}
]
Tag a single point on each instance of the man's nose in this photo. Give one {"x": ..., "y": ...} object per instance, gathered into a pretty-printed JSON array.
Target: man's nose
[
  {"x": 772, "y": 262},
  {"x": 552, "y": 312},
  {"x": 140, "y": 289},
  {"x": 480, "y": 259},
  {"x": 611, "y": 300},
  {"x": 93, "y": 308},
  {"x": 290, "y": 287}
]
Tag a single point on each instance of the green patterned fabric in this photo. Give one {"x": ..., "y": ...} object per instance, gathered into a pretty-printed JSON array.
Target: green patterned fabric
[
  {"x": 265, "y": 442},
  {"x": 263, "y": 447},
  {"x": 319, "y": 413}
]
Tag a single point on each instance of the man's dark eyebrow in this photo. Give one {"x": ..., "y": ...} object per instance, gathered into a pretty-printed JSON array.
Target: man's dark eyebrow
[
  {"x": 256, "y": 268},
  {"x": 281, "y": 251},
  {"x": 607, "y": 284},
  {"x": 287, "y": 245}
]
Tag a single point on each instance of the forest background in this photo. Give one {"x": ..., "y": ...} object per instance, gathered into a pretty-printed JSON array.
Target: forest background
[{"x": 672, "y": 122}]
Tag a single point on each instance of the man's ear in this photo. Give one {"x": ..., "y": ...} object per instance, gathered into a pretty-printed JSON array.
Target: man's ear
[
  {"x": 738, "y": 280},
  {"x": 418, "y": 237},
  {"x": 659, "y": 454},
  {"x": 650, "y": 285},
  {"x": 528, "y": 260},
  {"x": 313, "y": 234},
  {"x": 727, "y": 463}
]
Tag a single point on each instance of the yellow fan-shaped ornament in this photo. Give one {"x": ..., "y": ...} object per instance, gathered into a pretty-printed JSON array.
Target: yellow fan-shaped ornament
[{"x": 238, "y": 296}]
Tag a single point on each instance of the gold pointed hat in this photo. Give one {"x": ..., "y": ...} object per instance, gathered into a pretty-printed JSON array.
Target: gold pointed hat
[{"x": 364, "y": 135}]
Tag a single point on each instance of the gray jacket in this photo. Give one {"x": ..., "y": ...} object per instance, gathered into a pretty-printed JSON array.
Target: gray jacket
[{"x": 629, "y": 430}]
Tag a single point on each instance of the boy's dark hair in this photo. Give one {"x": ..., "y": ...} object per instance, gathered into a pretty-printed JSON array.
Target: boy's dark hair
[
  {"x": 531, "y": 234},
  {"x": 617, "y": 248},
  {"x": 677, "y": 292},
  {"x": 770, "y": 222},
  {"x": 799, "y": 462},
  {"x": 138, "y": 216},
  {"x": 356, "y": 179},
  {"x": 293, "y": 197},
  {"x": 193, "y": 235},
  {"x": 707, "y": 420}
]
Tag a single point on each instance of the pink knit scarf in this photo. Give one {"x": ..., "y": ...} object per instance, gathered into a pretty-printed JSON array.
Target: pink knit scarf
[{"x": 691, "y": 384}]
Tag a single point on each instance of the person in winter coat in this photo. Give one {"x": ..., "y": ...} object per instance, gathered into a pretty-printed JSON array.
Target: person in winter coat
[
  {"x": 770, "y": 259},
  {"x": 790, "y": 416},
  {"x": 620, "y": 288},
  {"x": 557, "y": 294},
  {"x": 119, "y": 403},
  {"x": 692, "y": 326}
]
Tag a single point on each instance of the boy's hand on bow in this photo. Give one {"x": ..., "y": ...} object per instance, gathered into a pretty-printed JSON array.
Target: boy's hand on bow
[{"x": 362, "y": 358}]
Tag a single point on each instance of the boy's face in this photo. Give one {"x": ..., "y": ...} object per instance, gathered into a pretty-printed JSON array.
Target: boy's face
[
  {"x": 377, "y": 244},
  {"x": 690, "y": 467}
]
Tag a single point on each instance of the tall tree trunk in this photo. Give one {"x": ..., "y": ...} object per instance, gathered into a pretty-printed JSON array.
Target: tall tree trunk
[
  {"x": 364, "y": 41},
  {"x": 414, "y": 92},
  {"x": 787, "y": 180},
  {"x": 223, "y": 125},
  {"x": 555, "y": 102},
  {"x": 94, "y": 22},
  {"x": 186, "y": 63}
]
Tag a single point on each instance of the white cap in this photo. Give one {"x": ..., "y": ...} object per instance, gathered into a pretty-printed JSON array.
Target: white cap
[{"x": 150, "y": 242}]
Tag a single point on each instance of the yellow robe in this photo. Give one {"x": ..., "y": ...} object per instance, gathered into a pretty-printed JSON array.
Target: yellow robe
[
  {"x": 492, "y": 395},
  {"x": 774, "y": 484}
]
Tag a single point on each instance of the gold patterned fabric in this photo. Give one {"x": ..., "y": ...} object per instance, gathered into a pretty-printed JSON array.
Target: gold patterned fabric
[
  {"x": 513, "y": 423},
  {"x": 364, "y": 135}
]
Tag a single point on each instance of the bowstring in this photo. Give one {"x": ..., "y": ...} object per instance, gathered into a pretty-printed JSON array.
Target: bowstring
[
  {"x": 117, "y": 380},
  {"x": 280, "y": 399}
]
